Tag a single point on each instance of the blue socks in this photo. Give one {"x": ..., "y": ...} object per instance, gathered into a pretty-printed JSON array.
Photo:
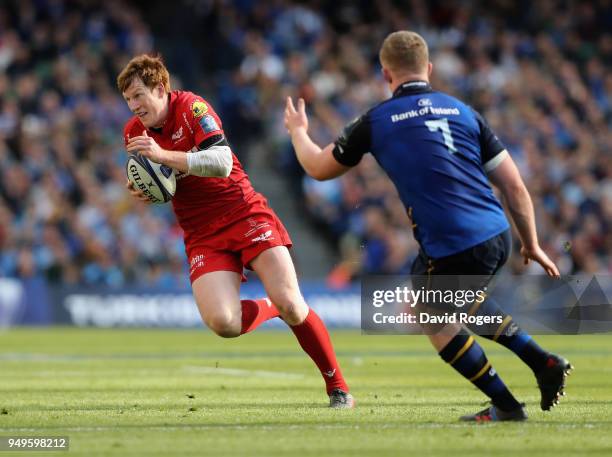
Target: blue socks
[{"x": 466, "y": 356}]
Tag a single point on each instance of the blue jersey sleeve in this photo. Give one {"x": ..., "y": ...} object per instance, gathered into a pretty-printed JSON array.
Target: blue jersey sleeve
[
  {"x": 490, "y": 145},
  {"x": 354, "y": 142}
]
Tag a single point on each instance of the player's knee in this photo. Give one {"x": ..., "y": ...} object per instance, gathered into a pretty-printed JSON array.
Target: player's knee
[
  {"x": 224, "y": 325},
  {"x": 292, "y": 307}
]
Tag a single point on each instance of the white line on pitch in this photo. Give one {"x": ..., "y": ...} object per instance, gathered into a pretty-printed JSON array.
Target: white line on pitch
[
  {"x": 240, "y": 372},
  {"x": 308, "y": 426}
]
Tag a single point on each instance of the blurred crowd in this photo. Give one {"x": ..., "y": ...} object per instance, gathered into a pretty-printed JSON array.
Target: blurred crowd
[
  {"x": 538, "y": 71},
  {"x": 64, "y": 212}
]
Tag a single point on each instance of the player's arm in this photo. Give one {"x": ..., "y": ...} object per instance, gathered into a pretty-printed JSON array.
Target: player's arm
[
  {"x": 316, "y": 162},
  {"x": 507, "y": 179},
  {"x": 212, "y": 158},
  {"x": 504, "y": 175}
]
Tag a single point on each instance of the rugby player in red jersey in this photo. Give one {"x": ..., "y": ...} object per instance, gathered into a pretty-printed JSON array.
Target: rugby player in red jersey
[{"x": 227, "y": 224}]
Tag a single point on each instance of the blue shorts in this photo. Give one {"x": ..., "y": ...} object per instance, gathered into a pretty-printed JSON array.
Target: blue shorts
[
  {"x": 469, "y": 270},
  {"x": 483, "y": 259}
]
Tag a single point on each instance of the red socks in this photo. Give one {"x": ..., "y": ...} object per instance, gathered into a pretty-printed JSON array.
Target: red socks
[
  {"x": 311, "y": 334},
  {"x": 314, "y": 339},
  {"x": 255, "y": 313}
]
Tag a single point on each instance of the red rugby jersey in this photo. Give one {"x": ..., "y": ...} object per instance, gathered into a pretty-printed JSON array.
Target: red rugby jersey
[{"x": 198, "y": 201}]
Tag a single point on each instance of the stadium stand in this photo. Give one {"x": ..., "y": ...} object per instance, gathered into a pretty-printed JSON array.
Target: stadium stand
[{"x": 538, "y": 71}]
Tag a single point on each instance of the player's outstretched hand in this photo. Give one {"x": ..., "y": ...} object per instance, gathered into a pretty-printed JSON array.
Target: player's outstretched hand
[
  {"x": 295, "y": 119},
  {"x": 540, "y": 256},
  {"x": 137, "y": 193},
  {"x": 146, "y": 146}
]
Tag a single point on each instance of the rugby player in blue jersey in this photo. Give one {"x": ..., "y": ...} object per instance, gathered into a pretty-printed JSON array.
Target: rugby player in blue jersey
[{"x": 442, "y": 157}]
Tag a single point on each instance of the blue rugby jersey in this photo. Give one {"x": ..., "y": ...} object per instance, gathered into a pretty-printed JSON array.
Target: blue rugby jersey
[{"x": 437, "y": 151}]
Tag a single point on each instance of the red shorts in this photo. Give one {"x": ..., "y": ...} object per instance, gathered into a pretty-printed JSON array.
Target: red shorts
[{"x": 232, "y": 245}]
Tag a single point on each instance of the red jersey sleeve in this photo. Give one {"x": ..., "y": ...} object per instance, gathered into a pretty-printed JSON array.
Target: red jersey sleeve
[
  {"x": 204, "y": 121},
  {"x": 128, "y": 131}
]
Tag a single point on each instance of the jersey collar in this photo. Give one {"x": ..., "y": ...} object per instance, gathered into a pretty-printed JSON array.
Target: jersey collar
[{"x": 412, "y": 87}]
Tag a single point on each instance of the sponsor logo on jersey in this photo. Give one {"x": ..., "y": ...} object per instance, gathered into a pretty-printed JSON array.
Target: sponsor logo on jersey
[
  {"x": 176, "y": 136},
  {"x": 199, "y": 109},
  {"x": 424, "y": 102},
  {"x": 187, "y": 122},
  {"x": 209, "y": 124}
]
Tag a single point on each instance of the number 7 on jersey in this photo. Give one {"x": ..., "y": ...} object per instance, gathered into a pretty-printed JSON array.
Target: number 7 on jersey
[{"x": 442, "y": 124}]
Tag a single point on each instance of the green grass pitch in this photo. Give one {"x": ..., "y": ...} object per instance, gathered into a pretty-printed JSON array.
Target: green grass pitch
[{"x": 181, "y": 393}]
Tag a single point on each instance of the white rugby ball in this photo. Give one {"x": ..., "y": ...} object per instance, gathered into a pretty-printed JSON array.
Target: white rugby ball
[{"x": 157, "y": 182}]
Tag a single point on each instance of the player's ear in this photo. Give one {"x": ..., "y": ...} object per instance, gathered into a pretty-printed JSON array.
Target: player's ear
[
  {"x": 387, "y": 75},
  {"x": 429, "y": 68}
]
